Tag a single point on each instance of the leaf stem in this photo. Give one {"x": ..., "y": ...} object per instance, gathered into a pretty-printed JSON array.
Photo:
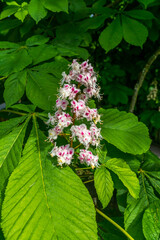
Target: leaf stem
[
  {"x": 88, "y": 181},
  {"x": 115, "y": 224},
  {"x": 15, "y": 112},
  {"x": 83, "y": 168}
]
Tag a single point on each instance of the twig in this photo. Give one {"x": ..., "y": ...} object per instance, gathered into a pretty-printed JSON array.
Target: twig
[
  {"x": 115, "y": 224},
  {"x": 15, "y": 112},
  {"x": 141, "y": 79}
]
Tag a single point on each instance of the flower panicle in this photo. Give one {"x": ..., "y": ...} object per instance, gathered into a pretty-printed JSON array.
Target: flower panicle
[{"x": 76, "y": 89}]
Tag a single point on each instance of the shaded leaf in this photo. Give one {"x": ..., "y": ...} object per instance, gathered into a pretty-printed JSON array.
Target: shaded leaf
[
  {"x": 140, "y": 14},
  {"x": 136, "y": 207},
  {"x": 14, "y": 62},
  {"x": 7, "y": 126},
  {"x": 111, "y": 35},
  {"x": 134, "y": 32},
  {"x": 41, "y": 89},
  {"x": 36, "y": 40},
  {"x": 25, "y": 108},
  {"x": 42, "y": 53},
  {"x": 14, "y": 87},
  {"x": 37, "y": 10},
  {"x": 56, "y": 6},
  {"x": 104, "y": 185},
  {"x": 151, "y": 221},
  {"x": 8, "y": 11}
]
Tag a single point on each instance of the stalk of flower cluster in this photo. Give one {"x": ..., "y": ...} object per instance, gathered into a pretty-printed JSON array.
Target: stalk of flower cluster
[{"x": 75, "y": 90}]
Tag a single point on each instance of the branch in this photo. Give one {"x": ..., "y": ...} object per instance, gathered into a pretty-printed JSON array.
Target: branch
[{"x": 141, "y": 79}]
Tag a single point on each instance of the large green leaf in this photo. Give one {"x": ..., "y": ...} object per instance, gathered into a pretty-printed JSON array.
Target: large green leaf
[
  {"x": 140, "y": 14},
  {"x": 56, "y": 6},
  {"x": 104, "y": 185},
  {"x": 56, "y": 68},
  {"x": 14, "y": 87},
  {"x": 111, "y": 35},
  {"x": 151, "y": 221},
  {"x": 125, "y": 174},
  {"x": 146, "y": 2},
  {"x": 136, "y": 207},
  {"x": 134, "y": 32},
  {"x": 37, "y": 10},
  {"x": 42, "y": 53},
  {"x": 124, "y": 131},
  {"x": 153, "y": 180},
  {"x": 45, "y": 202},
  {"x": 14, "y": 62},
  {"x": 8, "y": 11},
  {"x": 36, "y": 40},
  {"x": 41, "y": 89},
  {"x": 7, "y": 126},
  {"x": 10, "y": 152}
]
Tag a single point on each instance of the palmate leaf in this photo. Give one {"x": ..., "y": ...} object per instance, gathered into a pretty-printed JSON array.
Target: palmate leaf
[
  {"x": 37, "y": 10},
  {"x": 41, "y": 89},
  {"x": 10, "y": 152},
  {"x": 104, "y": 185},
  {"x": 125, "y": 174},
  {"x": 14, "y": 62},
  {"x": 151, "y": 221},
  {"x": 124, "y": 131},
  {"x": 7, "y": 126},
  {"x": 14, "y": 87},
  {"x": 135, "y": 209},
  {"x": 112, "y": 35},
  {"x": 46, "y": 202}
]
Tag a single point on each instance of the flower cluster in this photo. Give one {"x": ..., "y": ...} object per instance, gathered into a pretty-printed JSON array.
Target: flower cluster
[
  {"x": 72, "y": 104},
  {"x": 85, "y": 136},
  {"x": 63, "y": 153},
  {"x": 88, "y": 158}
]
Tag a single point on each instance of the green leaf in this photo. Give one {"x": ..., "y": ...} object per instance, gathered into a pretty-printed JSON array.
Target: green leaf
[
  {"x": 8, "y": 24},
  {"x": 56, "y": 6},
  {"x": 134, "y": 32},
  {"x": 124, "y": 131},
  {"x": 7, "y": 126},
  {"x": 5, "y": 44},
  {"x": 136, "y": 207},
  {"x": 42, "y": 53},
  {"x": 102, "y": 152},
  {"x": 36, "y": 40},
  {"x": 21, "y": 13},
  {"x": 111, "y": 35},
  {"x": 14, "y": 62},
  {"x": 41, "y": 89},
  {"x": 140, "y": 14},
  {"x": 104, "y": 185},
  {"x": 146, "y": 2},
  {"x": 14, "y": 87},
  {"x": 26, "y": 108},
  {"x": 151, "y": 221},
  {"x": 8, "y": 11},
  {"x": 10, "y": 152},
  {"x": 125, "y": 174},
  {"x": 155, "y": 182},
  {"x": 37, "y": 10},
  {"x": 13, "y": 3},
  {"x": 45, "y": 202},
  {"x": 150, "y": 162},
  {"x": 56, "y": 68}
]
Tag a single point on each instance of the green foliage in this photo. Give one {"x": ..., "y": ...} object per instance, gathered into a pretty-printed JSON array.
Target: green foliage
[
  {"x": 104, "y": 185},
  {"x": 38, "y": 199},
  {"x": 37, "y": 189},
  {"x": 123, "y": 130}
]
